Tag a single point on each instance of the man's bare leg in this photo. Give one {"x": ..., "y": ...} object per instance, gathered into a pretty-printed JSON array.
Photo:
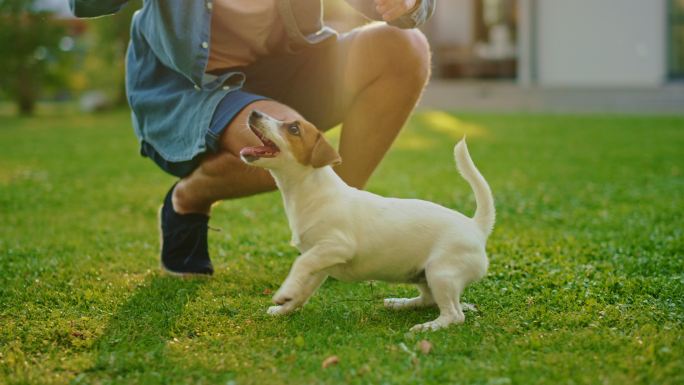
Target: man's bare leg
[
  {"x": 387, "y": 69},
  {"x": 386, "y": 73}
]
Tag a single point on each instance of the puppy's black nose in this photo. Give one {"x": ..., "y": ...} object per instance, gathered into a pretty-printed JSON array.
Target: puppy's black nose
[{"x": 255, "y": 115}]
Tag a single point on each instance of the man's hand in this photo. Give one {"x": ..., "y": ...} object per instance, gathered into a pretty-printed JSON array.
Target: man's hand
[{"x": 394, "y": 9}]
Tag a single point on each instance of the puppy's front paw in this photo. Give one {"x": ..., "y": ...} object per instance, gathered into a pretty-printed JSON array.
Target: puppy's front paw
[
  {"x": 281, "y": 309},
  {"x": 282, "y": 297},
  {"x": 276, "y": 310}
]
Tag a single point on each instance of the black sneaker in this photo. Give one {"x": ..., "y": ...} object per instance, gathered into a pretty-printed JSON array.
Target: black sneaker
[{"x": 184, "y": 250}]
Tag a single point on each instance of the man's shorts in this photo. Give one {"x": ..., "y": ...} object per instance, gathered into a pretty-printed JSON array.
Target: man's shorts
[{"x": 310, "y": 82}]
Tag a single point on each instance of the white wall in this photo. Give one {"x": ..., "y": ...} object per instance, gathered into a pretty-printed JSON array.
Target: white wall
[
  {"x": 453, "y": 22},
  {"x": 601, "y": 42}
]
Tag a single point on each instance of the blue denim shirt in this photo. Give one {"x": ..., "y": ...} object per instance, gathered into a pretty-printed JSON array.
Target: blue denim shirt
[{"x": 171, "y": 97}]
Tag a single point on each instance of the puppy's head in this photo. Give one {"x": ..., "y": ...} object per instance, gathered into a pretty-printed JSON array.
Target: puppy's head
[{"x": 287, "y": 143}]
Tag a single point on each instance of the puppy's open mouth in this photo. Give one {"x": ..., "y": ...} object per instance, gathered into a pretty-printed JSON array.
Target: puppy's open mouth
[{"x": 268, "y": 150}]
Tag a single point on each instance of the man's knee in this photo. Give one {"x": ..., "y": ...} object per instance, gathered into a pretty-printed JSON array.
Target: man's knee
[{"x": 408, "y": 54}]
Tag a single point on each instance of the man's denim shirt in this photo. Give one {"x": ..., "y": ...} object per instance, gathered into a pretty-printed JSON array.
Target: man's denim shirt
[{"x": 171, "y": 97}]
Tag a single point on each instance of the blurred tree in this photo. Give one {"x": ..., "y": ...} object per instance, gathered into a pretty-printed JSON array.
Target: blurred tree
[
  {"x": 112, "y": 34},
  {"x": 30, "y": 52}
]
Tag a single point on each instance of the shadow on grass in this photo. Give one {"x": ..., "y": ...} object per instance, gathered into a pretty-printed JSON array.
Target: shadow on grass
[{"x": 133, "y": 345}]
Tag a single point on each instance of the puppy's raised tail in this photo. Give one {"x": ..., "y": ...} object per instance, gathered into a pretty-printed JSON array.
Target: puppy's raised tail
[{"x": 485, "y": 213}]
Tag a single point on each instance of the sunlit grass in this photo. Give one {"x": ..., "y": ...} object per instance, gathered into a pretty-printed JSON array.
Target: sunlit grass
[
  {"x": 450, "y": 125},
  {"x": 586, "y": 283}
]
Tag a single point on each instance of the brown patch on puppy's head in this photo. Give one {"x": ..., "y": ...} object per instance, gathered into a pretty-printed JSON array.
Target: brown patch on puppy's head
[{"x": 308, "y": 145}]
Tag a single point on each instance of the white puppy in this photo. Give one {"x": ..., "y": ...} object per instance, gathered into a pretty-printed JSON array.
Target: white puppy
[{"x": 354, "y": 235}]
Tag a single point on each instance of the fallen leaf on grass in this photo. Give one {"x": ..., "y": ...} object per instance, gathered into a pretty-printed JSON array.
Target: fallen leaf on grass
[
  {"x": 332, "y": 360},
  {"x": 425, "y": 346},
  {"x": 266, "y": 291},
  {"x": 77, "y": 334}
]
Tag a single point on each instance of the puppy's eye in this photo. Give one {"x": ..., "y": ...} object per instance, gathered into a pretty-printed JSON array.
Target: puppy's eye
[{"x": 293, "y": 128}]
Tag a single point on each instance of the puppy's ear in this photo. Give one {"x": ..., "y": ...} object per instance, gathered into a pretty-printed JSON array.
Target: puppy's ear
[{"x": 323, "y": 154}]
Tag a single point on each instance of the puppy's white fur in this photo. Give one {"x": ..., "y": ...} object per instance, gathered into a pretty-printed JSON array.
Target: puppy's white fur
[{"x": 354, "y": 235}]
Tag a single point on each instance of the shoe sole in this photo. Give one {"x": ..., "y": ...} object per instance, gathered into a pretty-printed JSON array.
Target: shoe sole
[{"x": 164, "y": 269}]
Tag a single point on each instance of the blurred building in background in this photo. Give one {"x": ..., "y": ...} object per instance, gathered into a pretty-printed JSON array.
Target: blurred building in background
[
  {"x": 475, "y": 39},
  {"x": 516, "y": 55},
  {"x": 596, "y": 43},
  {"x": 543, "y": 42}
]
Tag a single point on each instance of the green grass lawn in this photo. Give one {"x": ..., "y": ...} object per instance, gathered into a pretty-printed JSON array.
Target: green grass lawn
[{"x": 586, "y": 282}]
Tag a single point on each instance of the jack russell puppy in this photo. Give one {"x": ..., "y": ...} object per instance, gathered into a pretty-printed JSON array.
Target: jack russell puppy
[{"x": 354, "y": 235}]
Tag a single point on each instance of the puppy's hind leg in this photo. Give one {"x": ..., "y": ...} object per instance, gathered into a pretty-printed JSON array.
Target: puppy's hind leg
[
  {"x": 423, "y": 300},
  {"x": 446, "y": 287}
]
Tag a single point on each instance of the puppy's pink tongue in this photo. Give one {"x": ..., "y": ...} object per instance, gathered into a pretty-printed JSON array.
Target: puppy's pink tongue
[{"x": 259, "y": 151}]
